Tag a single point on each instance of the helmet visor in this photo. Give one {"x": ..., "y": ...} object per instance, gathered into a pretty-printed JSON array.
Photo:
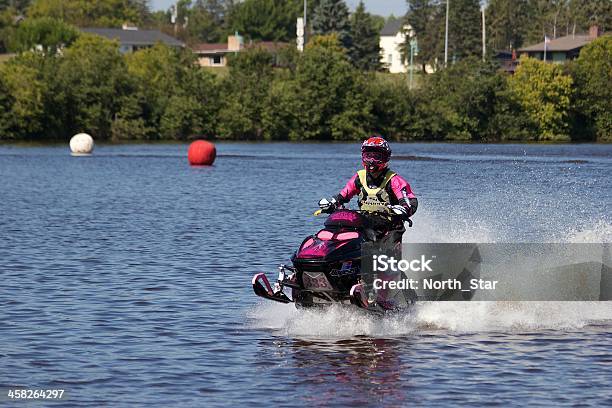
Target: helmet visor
[{"x": 374, "y": 157}]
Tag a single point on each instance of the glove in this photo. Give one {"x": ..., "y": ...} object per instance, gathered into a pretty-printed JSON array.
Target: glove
[
  {"x": 328, "y": 206},
  {"x": 400, "y": 211}
]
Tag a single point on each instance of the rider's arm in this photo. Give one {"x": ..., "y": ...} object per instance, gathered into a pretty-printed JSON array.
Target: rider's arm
[
  {"x": 349, "y": 191},
  {"x": 404, "y": 194}
]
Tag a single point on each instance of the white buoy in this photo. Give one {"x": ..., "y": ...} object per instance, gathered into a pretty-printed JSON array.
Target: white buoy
[{"x": 81, "y": 144}]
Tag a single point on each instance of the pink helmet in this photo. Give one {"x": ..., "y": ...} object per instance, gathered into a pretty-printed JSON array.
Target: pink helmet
[{"x": 375, "y": 153}]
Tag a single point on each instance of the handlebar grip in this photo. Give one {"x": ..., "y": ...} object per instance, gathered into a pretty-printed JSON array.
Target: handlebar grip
[{"x": 318, "y": 212}]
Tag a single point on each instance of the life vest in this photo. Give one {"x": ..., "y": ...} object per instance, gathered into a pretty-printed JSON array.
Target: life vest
[{"x": 374, "y": 199}]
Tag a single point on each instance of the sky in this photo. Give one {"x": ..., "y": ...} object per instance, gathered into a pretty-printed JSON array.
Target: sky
[{"x": 380, "y": 7}]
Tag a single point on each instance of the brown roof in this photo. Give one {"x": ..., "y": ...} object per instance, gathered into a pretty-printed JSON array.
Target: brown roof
[
  {"x": 208, "y": 48},
  {"x": 205, "y": 48},
  {"x": 567, "y": 43}
]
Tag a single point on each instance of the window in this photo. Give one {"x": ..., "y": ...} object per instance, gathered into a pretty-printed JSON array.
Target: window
[
  {"x": 390, "y": 58},
  {"x": 216, "y": 60}
]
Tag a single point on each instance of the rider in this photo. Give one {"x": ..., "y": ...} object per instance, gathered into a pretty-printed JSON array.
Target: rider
[
  {"x": 388, "y": 201},
  {"x": 381, "y": 191}
]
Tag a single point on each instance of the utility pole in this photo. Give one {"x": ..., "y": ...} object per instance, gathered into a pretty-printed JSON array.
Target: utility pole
[
  {"x": 446, "y": 37},
  {"x": 174, "y": 16},
  {"x": 414, "y": 49},
  {"x": 484, "y": 34},
  {"x": 305, "y": 20}
]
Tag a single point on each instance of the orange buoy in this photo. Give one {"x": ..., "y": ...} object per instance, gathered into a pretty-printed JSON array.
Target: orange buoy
[{"x": 201, "y": 153}]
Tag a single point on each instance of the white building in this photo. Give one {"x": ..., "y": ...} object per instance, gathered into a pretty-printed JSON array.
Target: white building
[{"x": 392, "y": 40}]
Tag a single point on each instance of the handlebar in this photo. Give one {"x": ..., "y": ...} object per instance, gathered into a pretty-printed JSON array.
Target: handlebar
[{"x": 394, "y": 216}]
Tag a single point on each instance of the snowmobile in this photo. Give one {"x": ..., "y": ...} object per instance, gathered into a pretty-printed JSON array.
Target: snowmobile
[{"x": 326, "y": 268}]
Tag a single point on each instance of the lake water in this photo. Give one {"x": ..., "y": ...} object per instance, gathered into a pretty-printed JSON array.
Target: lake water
[{"x": 126, "y": 279}]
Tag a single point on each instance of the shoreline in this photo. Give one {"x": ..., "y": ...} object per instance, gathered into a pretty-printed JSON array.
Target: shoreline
[{"x": 51, "y": 143}]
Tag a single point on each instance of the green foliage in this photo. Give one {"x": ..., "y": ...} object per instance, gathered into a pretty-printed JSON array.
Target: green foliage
[
  {"x": 464, "y": 29},
  {"x": 323, "y": 93},
  {"x": 206, "y": 21},
  {"x": 246, "y": 89},
  {"x": 273, "y": 20},
  {"x": 6, "y": 105},
  {"x": 172, "y": 93},
  {"x": 329, "y": 42},
  {"x": 378, "y": 22},
  {"x": 82, "y": 13},
  {"x": 321, "y": 97},
  {"x": 24, "y": 94},
  {"x": 581, "y": 14},
  {"x": 198, "y": 21},
  {"x": 6, "y": 27},
  {"x": 89, "y": 78},
  {"x": 332, "y": 16},
  {"x": 18, "y": 5},
  {"x": 393, "y": 107},
  {"x": 330, "y": 100},
  {"x": 365, "y": 49},
  {"x": 280, "y": 118},
  {"x": 544, "y": 92},
  {"x": 48, "y": 33},
  {"x": 131, "y": 121},
  {"x": 426, "y": 18},
  {"x": 593, "y": 76},
  {"x": 465, "y": 105},
  {"x": 507, "y": 23},
  {"x": 515, "y": 23}
]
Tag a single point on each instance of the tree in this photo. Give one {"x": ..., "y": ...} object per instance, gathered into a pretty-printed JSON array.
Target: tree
[
  {"x": 48, "y": 33},
  {"x": 207, "y": 21},
  {"x": 86, "y": 87},
  {"x": 365, "y": 49},
  {"x": 25, "y": 93},
  {"x": 6, "y": 27},
  {"x": 177, "y": 98},
  {"x": 546, "y": 18},
  {"x": 196, "y": 21},
  {"x": 246, "y": 89},
  {"x": 507, "y": 22},
  {"x": 330, "y": 101},
  {"x": 593, "y": 76},
  {"x": 6, "y": 106},
  {"x": 460, "y": 109},
  {"x": 581, "y": 14},
  {"x": 271, "y": 20},
  {"x": 332, "y": 16},
  {"x": 393, "y": 106},
  {"x": 426, "y": 17},
  {"x": 101, "y": 13},
  {"x": 18, "y": 5},
  {"x": 464, "y": 29},
  {"x": 544, "y": 92}
]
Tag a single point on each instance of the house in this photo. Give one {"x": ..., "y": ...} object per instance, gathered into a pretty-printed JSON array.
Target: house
[
  {"x": 507, "y": 61},
  {"x": 132, "y": 39},
  {"x": 561, "y": 49},
  {"x": 392, "y": 40},
  {"x": 215, "y": 55}
]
